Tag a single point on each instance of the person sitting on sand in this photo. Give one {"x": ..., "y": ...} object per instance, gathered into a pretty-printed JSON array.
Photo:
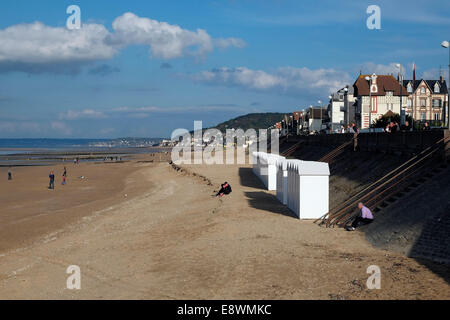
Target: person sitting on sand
[
  {"x": 225, "y": 190},
  {"x": 52, "y": 180},
  {"x": 9, "y": 174},
  {"x": 364, "y": 217}
]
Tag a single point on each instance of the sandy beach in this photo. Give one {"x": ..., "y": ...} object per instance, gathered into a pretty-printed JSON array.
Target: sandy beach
[{"x": 142, "y": 230}]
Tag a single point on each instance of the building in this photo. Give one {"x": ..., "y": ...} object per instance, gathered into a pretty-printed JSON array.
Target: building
[
  {"x": 299, "y": 121},
  {"x": 316, "y": 119},
  {"x": 278, "y": 126},
  {"x": 427, "y": 99},
  {"x": 340, "y": 108},
  {"x": 376, "y": 96}
]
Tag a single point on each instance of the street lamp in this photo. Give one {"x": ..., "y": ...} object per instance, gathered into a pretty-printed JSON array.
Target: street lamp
[
  {"x": 370, "y": 100},
  {"x": 402, "y": 112},
  {"x": 346, "y": 104},
  {"x": 320, "y": 109},
  {"x": 446, "y": 44},
  {"x": 330, "y": 111}
]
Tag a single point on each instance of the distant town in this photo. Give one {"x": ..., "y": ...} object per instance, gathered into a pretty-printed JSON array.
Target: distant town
[{"x": 371, "y": 99}]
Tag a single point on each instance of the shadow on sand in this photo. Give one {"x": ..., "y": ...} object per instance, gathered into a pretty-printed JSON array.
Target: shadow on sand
[
  {"x": 261, "y": 200},
  {"x": 249, "y": 179}
]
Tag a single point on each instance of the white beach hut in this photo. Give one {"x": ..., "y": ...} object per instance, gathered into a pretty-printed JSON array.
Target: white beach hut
[
  {"x": 308, "y": 188},
  {"x": 265, "y": 168}
]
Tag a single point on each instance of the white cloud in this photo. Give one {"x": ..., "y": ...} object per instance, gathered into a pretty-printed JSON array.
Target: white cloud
[
  {"x": 61, "y": 128},
  {"x": 391, "y": 68},
  {"x": 143, "y": 112},
  {"x": 38, "y": 48},
  {"x": 33, "y": 128},
  {"x": 37, "y": 43},
  {"x": 20, "y": 126},
  {"x": 230, "y": 42},
  {"x": 107, "y": 131},
  {"x": 81, "y": 114},
  {"x": 434, "y": 74},
  {"x": 286, "y": 79},
  {"x": 166, "y": 41}
]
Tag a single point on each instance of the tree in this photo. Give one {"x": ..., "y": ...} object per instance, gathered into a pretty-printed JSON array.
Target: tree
[{"x": 387, "y": 118}]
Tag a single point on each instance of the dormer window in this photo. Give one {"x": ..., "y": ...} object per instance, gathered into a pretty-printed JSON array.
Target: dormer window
[
  {"x": 409, "y": 88},
  {"x": 437, "y": 89},
  {"x": 423, "y": 90}
]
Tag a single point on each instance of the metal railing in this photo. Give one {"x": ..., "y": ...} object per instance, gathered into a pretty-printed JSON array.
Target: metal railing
[{"x": 384, "y": 188}]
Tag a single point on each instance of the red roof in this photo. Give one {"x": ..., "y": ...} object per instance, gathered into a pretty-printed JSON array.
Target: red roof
[
  {"x": 297, "y": 115},
  {"x": 384, "y": 83}
]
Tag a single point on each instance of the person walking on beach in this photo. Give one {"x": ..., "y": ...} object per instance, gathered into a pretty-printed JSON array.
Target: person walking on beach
[
  {"x": 51, "y": 176},
  {"x": 64, "y": 176},
  {"x": 364, "y": 217},
  {"x": 9, "y": 174}
]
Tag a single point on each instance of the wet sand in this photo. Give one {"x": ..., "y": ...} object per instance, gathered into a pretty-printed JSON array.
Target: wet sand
[
  {"x": 170, "y": 239},
  {"x": 30, "y": 209}
]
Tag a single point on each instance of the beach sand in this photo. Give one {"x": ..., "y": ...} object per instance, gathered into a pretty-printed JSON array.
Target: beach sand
[{"x": 170, "y": 239}]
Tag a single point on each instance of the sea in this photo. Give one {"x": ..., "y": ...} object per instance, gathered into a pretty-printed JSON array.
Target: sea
[{"x": 27, "y": 146}]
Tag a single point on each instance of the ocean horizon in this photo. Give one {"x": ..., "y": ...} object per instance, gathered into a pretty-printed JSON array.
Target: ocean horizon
[{"x": 29, "y": 145}]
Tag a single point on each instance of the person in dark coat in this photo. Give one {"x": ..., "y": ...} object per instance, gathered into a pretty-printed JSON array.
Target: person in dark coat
[
  {"x": 51, "y": 176},
  {"x": 224, "y": 190}
]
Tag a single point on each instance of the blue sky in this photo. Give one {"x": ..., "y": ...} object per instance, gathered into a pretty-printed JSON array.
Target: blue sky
[{"x": 145, "y": 68}]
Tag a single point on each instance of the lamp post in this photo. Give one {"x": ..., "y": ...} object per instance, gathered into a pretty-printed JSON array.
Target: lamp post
[
  {"x": 347, "y": 105},
  {"x": 370, "y": 101},
  {"x": 446, "y": 44},
  {"x": 321, "y": 120},
  {"x": 330, "y": 111},
  {"x": 402, "y": 112}
]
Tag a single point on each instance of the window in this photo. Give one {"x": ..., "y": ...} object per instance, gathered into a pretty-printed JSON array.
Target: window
[
  {"x": 423, "y": 116},
  {"x": 390, "y": 106},
  {"x": 423, "y": 102},
  {"x": 409, "y": 103},
  {"x": 409, "y": 88},
  {"x": 437, "y": 89},
  {"x": 437, "y": 116},
  {"x": 437, "y": 103}
]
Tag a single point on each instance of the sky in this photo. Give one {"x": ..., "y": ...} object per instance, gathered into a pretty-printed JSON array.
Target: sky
[{"x": 145, "y": 68}]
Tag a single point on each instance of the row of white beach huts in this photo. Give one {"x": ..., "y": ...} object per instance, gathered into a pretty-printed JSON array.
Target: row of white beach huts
[{"x": 303, "y": 186}]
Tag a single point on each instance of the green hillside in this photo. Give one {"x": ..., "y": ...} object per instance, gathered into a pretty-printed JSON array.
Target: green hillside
[{"x": 252, "y": 120}]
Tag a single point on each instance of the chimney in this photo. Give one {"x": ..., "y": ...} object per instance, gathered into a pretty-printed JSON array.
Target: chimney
[{"x": 441, "y": 78}]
